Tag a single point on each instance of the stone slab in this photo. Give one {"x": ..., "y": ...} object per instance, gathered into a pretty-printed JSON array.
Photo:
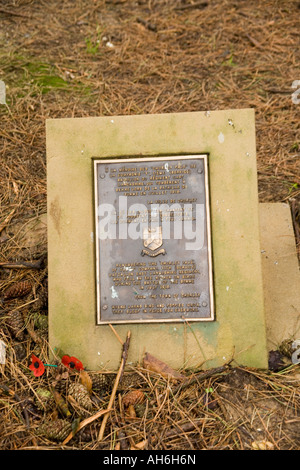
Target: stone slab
[
  {"x": 228, "y": 137},
  {"x": 281, "y": 276}
]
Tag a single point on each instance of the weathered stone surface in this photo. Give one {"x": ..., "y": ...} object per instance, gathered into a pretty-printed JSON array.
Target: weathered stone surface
[{"x": 281, "y": 276}]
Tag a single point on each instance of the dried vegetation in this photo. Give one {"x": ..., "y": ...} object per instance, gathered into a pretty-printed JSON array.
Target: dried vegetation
[{"x": 108, "y": 57}]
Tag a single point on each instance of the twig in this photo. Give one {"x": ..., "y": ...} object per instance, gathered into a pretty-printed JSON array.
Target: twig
[
  {"x": 201, "y": 376},
  {"x": 7, "y": 219},
  {"x": 118, "y": 337},
  {"x": 192, "y": 5},
  {"x": 147, "y": 24},
  {"x": 183, "y": 428},
  {"x": 13, "y": 13},
  {"x": 118, "y": 378},
  {"x": 254, "y": 41},
  {"x": 277, "y": 90},
  {"x": 38, "y": 264}
]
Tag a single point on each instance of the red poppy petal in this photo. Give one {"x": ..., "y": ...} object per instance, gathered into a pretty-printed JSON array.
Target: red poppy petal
[
  {"x": 65, "y": 360},
  {"x": 73, "y": 362},
  {"x": 78, "y": 364},
  {"x": 35, "y": 359},
  {"x": 38, "y": 372}
]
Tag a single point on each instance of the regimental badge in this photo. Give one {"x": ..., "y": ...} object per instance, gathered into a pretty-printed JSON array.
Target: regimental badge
[{"x": 153, "y": 240}]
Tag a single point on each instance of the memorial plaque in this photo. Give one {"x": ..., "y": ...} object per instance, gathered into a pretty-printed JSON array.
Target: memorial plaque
[{"x": 153, "y": 245}]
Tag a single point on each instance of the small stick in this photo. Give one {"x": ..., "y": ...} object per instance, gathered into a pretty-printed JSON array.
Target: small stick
[
  {"x": 114, "y": 391},
  {"x": 254, "y": 41},
  {"x": 202, "y": 376},
  {"x": 118, "y": 337},
  {"x": 192, "y": 5},
  {"x": 150, "y": 26},
  {"x": 22, "y": 264},
  {"x": 7, "y": 219},
  {"x": 13, "y": 13}
]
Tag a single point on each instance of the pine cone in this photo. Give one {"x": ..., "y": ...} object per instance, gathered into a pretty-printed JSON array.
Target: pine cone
[
  {"x": 41, "y": 322},
  {"x": 85, "y": 435},
  {"x": 140, "y": 409},
  {"x": 18, "y": 289},
  {"x": 44, "y": 399},
  {"x": 130, "y": 380},
  {"x": 16, "y": 324},
  {"x": 42, "y": 302},
  {"x": 56, "y": 430},
  {"x": 286, "y": 349},
  {"x": 20, "y": 351},
  {"x": 61, "y": 379},
  {"x": 133, "y": 398},
  {"x": 81, "y": 396},
  {"x": 101, "y": 382},
  {"x": 60, "y": 386}
]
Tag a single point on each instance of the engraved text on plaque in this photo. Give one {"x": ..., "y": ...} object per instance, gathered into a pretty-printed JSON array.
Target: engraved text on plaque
[{"x": 153, "y": 246}]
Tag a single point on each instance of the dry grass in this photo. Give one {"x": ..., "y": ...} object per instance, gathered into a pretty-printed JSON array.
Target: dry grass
[{"x": 91, "y": 58}]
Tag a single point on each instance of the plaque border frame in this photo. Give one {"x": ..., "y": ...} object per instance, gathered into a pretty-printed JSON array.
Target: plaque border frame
[{"x": 159, "y": 158}]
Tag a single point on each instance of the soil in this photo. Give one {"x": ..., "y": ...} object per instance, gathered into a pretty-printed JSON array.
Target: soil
[{"x": 120, "y": 57}]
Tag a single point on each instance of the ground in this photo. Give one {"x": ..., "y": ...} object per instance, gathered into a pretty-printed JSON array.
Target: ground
[{"x": 119, "y": 57}]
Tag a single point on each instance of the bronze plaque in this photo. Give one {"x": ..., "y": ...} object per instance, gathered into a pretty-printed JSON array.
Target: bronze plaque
[{"x": 153, "y": 243}]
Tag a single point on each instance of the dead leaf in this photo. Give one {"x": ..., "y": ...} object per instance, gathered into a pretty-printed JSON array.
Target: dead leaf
[
  {"x": 130, "y": 412},
  {"x": 262, "y": 445},
  {"x": 61, "y": 404},
  {"x": 3, "y": 236},
  {"x": 140, "y": 445},
  {"x": 155, "y": 365},
  {"x": 86, "y": 380},
  {"x": 75, "y": 425},
  {"x": 30, "y": 235},
  {"x": 64, "y": 375}
]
